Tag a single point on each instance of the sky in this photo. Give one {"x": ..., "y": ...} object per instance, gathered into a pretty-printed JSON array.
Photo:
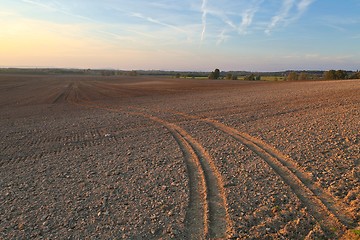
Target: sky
[{"x": 186, "y": 35}]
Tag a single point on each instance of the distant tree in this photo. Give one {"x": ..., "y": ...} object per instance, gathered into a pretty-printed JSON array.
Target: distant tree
[
  {"x": 355, "y": 75},
  {"x": 303, "y": 76},
  {"x": 335, "y": 75},
  {"x": 229, "y": 76},
  {"x": 133, "y": 73},
  {"x": 178, "y": 75},
  {"x": 108, "y": 73},
  {"x": 215, "y": 74},
  {"x": 234, "y": 77},
  {"x": 211, "y": 75},
  {"x": 330, "y": 75},
  {"x": 341, "y": 74},
  {"x": 292, "y": 76}
]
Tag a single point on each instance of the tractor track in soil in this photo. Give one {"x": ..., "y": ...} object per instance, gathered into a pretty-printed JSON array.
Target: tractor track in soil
[
  {"x": 325, "y": 209},
  {"x": 207, "y": 214}
]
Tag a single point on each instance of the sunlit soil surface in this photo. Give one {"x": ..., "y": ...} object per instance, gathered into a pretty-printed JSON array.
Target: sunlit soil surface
[{"x": 149, "y": 158}]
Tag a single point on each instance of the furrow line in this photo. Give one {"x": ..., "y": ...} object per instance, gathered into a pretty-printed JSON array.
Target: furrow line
[
  {"x": 64, "y": 94},
  {"x": 75, "y": 145}
]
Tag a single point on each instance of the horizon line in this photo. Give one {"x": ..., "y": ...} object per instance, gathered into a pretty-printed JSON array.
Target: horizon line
[{"x": 162, "y": 70}]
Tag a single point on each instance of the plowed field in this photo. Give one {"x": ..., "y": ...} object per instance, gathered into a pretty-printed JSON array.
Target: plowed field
[{"x": 150, "y": 158}]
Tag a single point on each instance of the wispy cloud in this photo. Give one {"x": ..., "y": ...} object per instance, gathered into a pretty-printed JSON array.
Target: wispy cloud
[
  {"x": 281, "y": 16},
  {"x": 152, "y": 20},
  {"x": 228, "y": 18},
  {"x": 336, "y": 27},
  {"x": 224, "y": 18},
  {"x": 247, "y": 17},
  {"x": 59, "y": 9},
  {"x": 222, "y": 38},
  {"x": 342, "y": 24},
  {"x": 246, "y": 21},
  {"x": 284, "y": 15},
  {"x": 230, "y": 14},
  {"x": 303, "y": 5},
  {"x": 203, "y": 18},
  {"x": 38, "y": 4}
]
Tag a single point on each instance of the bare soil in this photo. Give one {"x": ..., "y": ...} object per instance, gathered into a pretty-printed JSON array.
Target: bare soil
[{"x": 155, "y": 158}]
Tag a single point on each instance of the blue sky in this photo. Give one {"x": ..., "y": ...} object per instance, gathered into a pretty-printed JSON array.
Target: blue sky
[{"x": 200, "y": 35}]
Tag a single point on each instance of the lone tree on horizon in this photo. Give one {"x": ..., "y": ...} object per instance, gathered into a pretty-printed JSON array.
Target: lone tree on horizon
[{"x": 215, "y": 74}]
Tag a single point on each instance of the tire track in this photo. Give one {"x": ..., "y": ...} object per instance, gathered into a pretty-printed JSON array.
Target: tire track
[
  {"x": 325, "y": 209},
  {"x": 196, "y": 218},
  {"x": 217, "y": 218},
  {"x": 207, "y": 216}
]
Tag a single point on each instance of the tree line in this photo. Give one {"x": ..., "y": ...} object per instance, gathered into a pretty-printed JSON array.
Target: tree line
[
  {"x": 327, "y": 75},
  {"x": 216, "y": 74},
  {"x": 340, "y": 74},
  {"x": 289, "y": 75}
]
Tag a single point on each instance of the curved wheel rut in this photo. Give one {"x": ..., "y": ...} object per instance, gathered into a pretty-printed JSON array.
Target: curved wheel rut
[
  {"x": 207, "y": 216},
  {"x": 326, "y": 210},
  {"x": 216, "y": 218}
]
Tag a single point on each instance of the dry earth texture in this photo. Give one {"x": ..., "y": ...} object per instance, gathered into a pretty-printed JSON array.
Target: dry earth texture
[{"x": 153, "y": 158}]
